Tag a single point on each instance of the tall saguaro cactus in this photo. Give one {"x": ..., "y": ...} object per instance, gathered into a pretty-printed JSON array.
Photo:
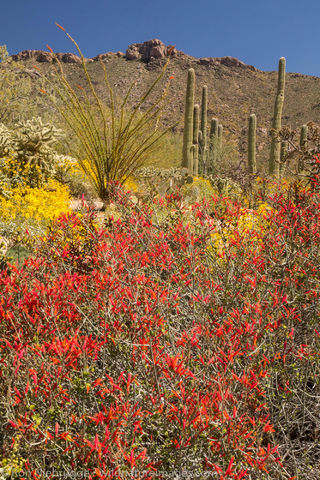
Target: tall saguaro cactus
[
  {"x": 187, "y": 156},
  {"x": 213, "y": 143},
  {"x": 195, "y": 140},
  {"x": 203, "y": 128},
  {"x": 252, "y": 144},
  {"x": 274, "y": 159}
]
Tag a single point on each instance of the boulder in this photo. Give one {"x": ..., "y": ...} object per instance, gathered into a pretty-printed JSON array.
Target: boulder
[{"x": 68, "y": 58}]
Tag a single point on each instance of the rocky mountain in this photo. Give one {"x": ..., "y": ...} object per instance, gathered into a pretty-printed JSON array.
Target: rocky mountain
[{"x": 235, "y": 90}]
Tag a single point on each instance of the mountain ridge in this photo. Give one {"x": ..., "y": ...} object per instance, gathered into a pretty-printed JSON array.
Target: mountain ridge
[{"x": 145, "y": 51}]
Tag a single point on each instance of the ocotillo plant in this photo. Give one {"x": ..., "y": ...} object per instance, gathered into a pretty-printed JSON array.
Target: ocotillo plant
[
  {"x": 112, "y": 141},
  {"x": 187, "y": 159},
  {"x": 303, "y": 145},
  {"x": 195, "y": 140},
  {"x": 203, "y": 144},
  {"x": 252, "y": 165},
  {"x": 274, "y": 159}
]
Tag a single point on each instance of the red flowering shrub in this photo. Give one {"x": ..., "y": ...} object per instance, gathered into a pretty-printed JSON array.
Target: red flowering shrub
[{"x": 135, "y": 351}]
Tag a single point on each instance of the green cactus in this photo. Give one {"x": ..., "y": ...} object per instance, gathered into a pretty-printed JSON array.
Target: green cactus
[
  {"x": 274, "y": 159},
  {"x": 252, "y": 144},
  {"x": 303, "y": 145},
  {"x": 213, "y": 143},
  {"x": 188, "y": 122},
  {"x": 203, "y": 128},
  {"x": 29, "y": 146},
  {"x": 283, "y": 156},
  {"x": 220, "y": 135},
  {"x": 191, "y": 160},
  {"x": 195, "y": 140},
  {"x": 213, "y": 129},
  {"x": 33, "y": 146}
]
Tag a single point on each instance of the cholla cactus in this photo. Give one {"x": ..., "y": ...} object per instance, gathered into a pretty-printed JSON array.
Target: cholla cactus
[
  {"x": 29, "y": 146},
  {"x": 33, "y": 142}
]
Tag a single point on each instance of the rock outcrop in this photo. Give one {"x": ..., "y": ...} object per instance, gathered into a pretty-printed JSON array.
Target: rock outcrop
[
  {"x": 150, "y": 50},
  {"x": 227, "y": 61},
  {"x": 103, "y": 56},
  {"x": 36, "y": 55},
  {"x": 45, "y": 57}
]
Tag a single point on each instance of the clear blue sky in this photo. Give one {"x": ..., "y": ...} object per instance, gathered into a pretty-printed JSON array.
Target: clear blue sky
[{"x": 257, "y": 32}]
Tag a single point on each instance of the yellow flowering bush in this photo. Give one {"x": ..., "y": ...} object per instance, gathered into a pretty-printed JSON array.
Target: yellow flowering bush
[
  {"x": 32, "y": 208},
  {"x": 130, "y": 184},
  {"x": 200, "y": 188},
  {"x": 254, "y": 220},
  {"x": 249, "y": 224}
]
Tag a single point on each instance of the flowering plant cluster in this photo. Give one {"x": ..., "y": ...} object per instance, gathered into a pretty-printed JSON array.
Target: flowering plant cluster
[
  {"x": 29, "y": 197},
  {"x": 30, "y": 210},
  {"x": 139, "y": 348}
]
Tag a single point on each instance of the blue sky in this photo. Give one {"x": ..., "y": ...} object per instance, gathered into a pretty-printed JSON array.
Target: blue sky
[{"x": 257, "y": 32}]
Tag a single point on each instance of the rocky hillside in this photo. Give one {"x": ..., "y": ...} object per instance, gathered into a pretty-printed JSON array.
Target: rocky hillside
[{"x": 234, "y": 89}]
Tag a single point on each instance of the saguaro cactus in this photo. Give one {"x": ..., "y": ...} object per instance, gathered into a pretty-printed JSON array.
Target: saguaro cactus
[
  {"x": 188, "y": 123},
  {"x": 213, "y": 145},
  {"x": 203, "y": 145},
  {"x": 220, "y": 134},
  {"x": 252, "y": 144},
  {"x": 274, "y": 159},
  {"x": 303, "y": 145},
  {"x": 195, "y": 140}
]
